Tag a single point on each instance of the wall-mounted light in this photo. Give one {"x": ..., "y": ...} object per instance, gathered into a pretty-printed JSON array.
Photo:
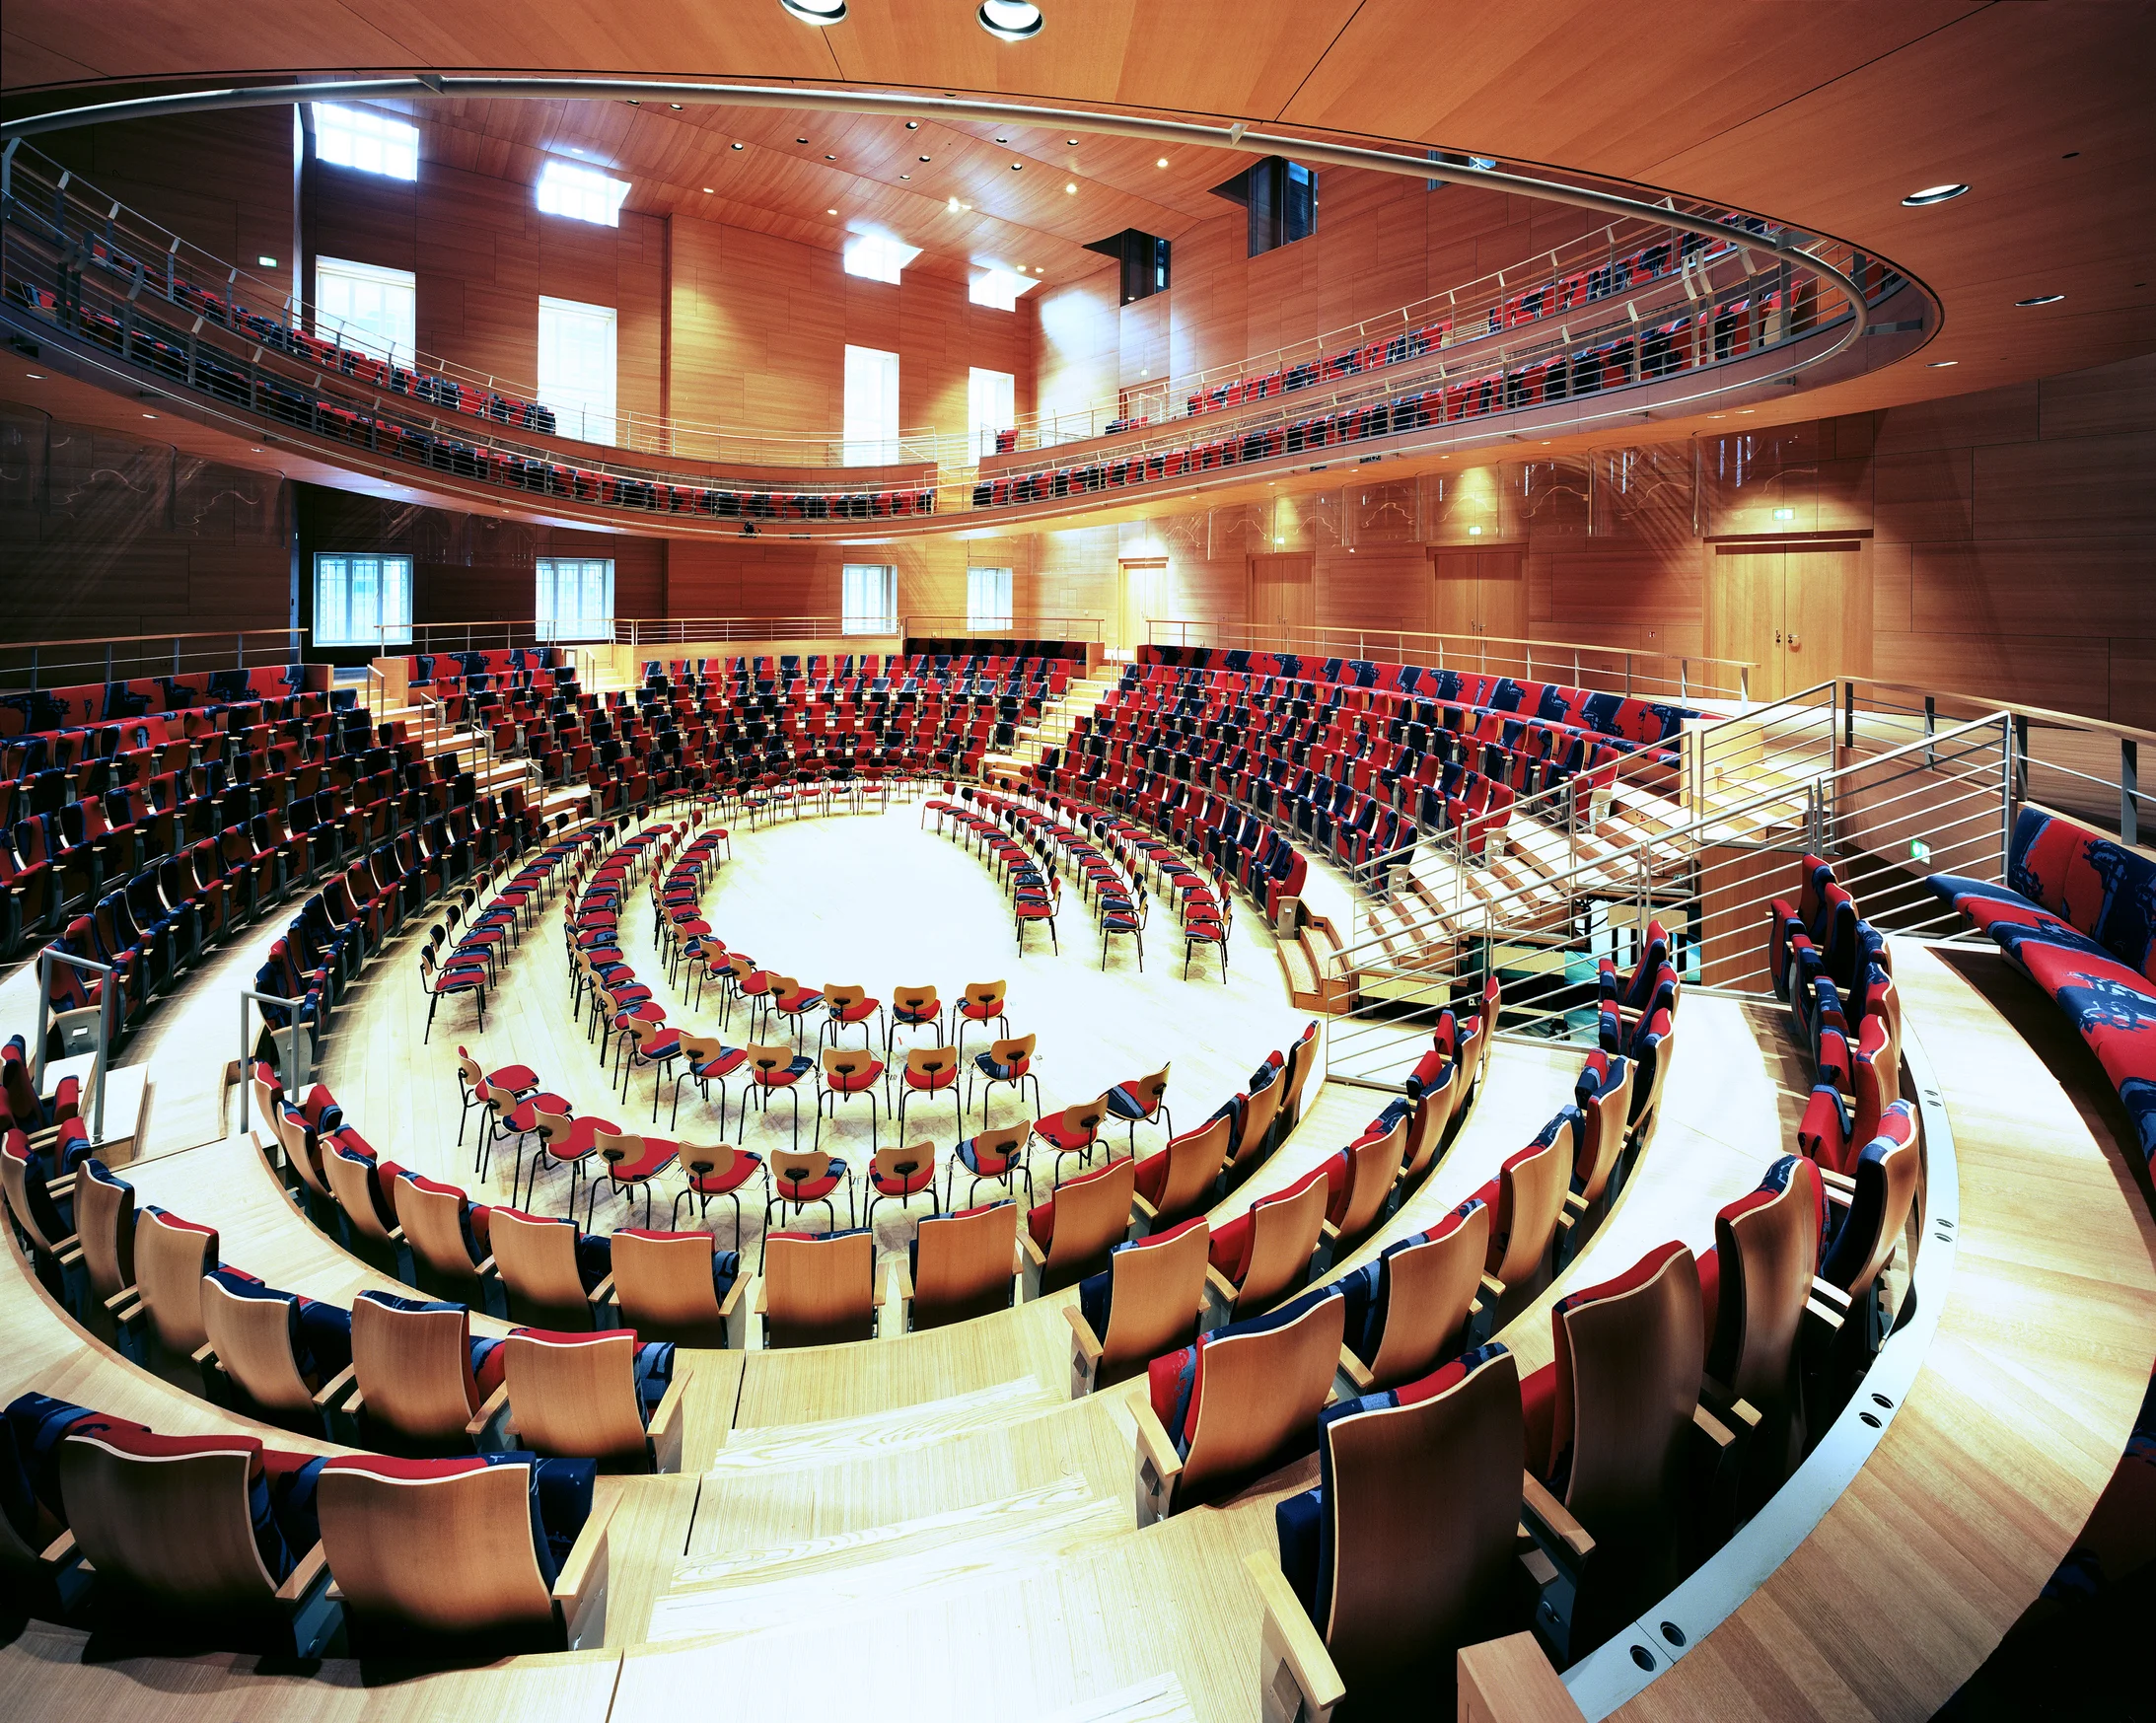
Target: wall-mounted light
[{"x": 1009, "y": 20}]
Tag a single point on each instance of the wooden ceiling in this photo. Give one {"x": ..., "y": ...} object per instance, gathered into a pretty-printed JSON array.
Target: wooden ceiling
[{"x": 1824, "y": 115}]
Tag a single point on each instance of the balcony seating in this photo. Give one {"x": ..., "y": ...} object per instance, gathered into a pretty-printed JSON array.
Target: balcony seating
[
  {"x": 449, "y": 1236},
  {"x": 817, "y": 1288},
  {"x": 960, "y": 1266},
  {"x": 1146, "y": 1302},
  {"x": 2075, "y": 916},
  {"x": 472, "y": 1557},
  {"x": 602, "y": 1396},
  {"x": 1236, "y": 1403}
]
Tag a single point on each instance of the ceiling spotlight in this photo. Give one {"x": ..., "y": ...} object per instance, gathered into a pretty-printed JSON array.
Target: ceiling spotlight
[
  {"x": 831, "y": 158},
  {"x": 1018, "y": 167},
  {"x": 830, "y": 212},
  {"x": 951, "y": 205},
  {"x": 676, "y": 106},
  {"x": 913, "y": 125},
  {"x": 710, "y": 192},
  {"x": 1162, "y": 163},
  {"x": 2042, "y": 299},
  {"x": 920, "y": 157},
  {"x": 1933, "y": 194},
  {"x": 149, "y": 415},
  {"x": 633, "y": 102},
  {"x": 817, "y": 12},
  {"x": 905, "y": 176},
  {"x": 35, "y": 376},
  {"x": 1073, "y": 142},
  {"x": 800, "y": 140},
  {"x": 1071, "y": 186},
  {"x": 740, "y": 146},
  {"x": 1009, "y": 20},
  {"x": 1942, "y": 364},
  {"x": 1003, "y": 140}
]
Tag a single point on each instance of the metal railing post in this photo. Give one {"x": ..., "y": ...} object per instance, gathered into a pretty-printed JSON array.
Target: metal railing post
[
  {"x": 105, "y": 992},
  {"x": 2129, "y": 789},
  {"x": 1931, "y": 728},
  {"x": 2006, "y": 792},
  {"x": 298, "y": 1063}
]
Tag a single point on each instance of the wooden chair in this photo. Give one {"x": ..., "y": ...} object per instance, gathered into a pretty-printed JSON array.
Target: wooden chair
[
  {"x": 1418, "y": 1304},
  {"x": 981, "y": 1002},
  {"x": 817, "y": 1289},
  {"x": 1253, "y": 1406},
  {"x": 1069, "y": 1235},
  {"x": 1144, "y": 1100},
  {"x": 846, "y": 1006},
  {"x": 1868, "y": 1214},
  {"x": 1605, "y": 1098},
  {"x": 171, "y": 1257},
  {"x": 416, "y": 1389},
  {"x": 1148, "y": 1301},
  {"x": 566, "y": 1142},
  {"x": 1184, "y": 1178},
  {"x": 630, "y": 1163},
  {"x": 361, "y": 1226},
  {"x": 1655, "y": 1047},
  {"x": 998, "y": 1155},
  {"x": 850, "y": 1072},
  {"x": 1366, "y": 1175},
  {"x": 929, "y": 1071},
  {"x": 444, "y": 1554},
  {"x": 717, "y": 1170},
  {"x": 535, "y": 1258},
  {"x": 1302, "y": 1055},
  {"x": 799, "y": 1178},
  {"x": 960, "y": 1266},
  {"x": 900, "y": 1174},
  {"x": 772, "y": 1069},
  {"x": 911, "y": 1008},
  {"x": 431, "y": 1217},
  {"x": 1257, "y": 1138},
  {"x": 1405, "y": 1554},
  {"x": 1073, "y": 1131},
  {"x": 1527, "y": 1201},
  {"x": 1007, "y": 1060},
  {"x": 705, "y": 1060},
  {"x": 677, "y": 1286},
  {"x": 575, "y": 1397},
  {"x": 250, "y": 1343},
  {"x": 1761, "y": 1271},
  {"x": 166, "y": 1523},
  {"x": 104, "y": 1226},
  {"x": 1426, "y": 1126},
  {"x": 1270, "y": 1251}
]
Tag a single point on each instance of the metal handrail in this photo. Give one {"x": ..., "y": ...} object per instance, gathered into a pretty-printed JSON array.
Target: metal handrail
[
  {"x": 49, "y": 955},
  {"x": 299, "y": 1043}
]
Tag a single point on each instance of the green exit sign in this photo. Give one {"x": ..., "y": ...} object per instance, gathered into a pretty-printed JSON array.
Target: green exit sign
[{"x": 1920, "y": 850}]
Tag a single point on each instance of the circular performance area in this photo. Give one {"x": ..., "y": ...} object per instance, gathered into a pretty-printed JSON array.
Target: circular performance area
[{"x": 1045, "y": 864}]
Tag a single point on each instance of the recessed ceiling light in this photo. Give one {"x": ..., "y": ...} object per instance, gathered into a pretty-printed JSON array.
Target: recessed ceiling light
[
  {"x": 1018, "y": 167},
  {"x": 574, "y": 151},
  {"x": 256, "y": 450},
  {"x": 740, "y": 146},
  {"x": 149, "y": 415},
  {"x": 1162, "y": 163},
  {"x": 1942, "y": 364},
  {"x": 1933, "y": 194},
  {"x": 35, "y": 376},
  {"x": 2042, "y": 299},
  {"x": 1071, "y": 186},
  {"x": 1003, "y": 140},
  {"x": 1073, "y": 142},
  {"x": 920, "y": 157},
  {"x": 800, "y": 140},
  {"x": 830, "y": 212},
  {"x": 817, "y": 12},
  {"x": 905, "y": 176},
  {"x": 633, "y": 102},
  {"x": 676, "y": 106},
  {"x": 1010, "y": 19},
  {"x": 913, "y": 125},
  {"x": 831, "y": 158}
]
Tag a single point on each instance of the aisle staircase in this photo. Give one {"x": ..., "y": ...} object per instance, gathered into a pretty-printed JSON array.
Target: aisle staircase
[{"x": 1059, "y": 717}]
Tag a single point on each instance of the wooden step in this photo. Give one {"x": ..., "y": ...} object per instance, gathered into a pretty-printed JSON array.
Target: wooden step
[{"x": 763, "y": 1447}]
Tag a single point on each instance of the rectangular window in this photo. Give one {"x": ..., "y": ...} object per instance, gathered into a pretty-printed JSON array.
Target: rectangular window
[
  {"x": 575, "y": 597},
  {"x": 581, "y": 194},
  {"x": 365, "y": 307},
  {"x": 353, "y": 137},
  {"x": 991, "y": 397},
  {"x": 872, "y": 406},
  {"x": 998, "y": 289},
  {"x": 576, "y": 353},
  {"x": 987, "y": 597},
  {"x": 362, "y": 601},
  {"x": 869, "y": 598},
  {"x": 877, "y": 258}
]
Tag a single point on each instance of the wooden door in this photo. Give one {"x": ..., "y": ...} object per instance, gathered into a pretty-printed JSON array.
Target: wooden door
[
  {"x": 1284, "y": 596},
  {"x": 1456, "y": 605},
  {"x": 1501, "y": 589},
  {"x": 1827, "y": 610},
  {"x": 1142, "y": 588},
  {"x": 1745, "y": 614}
]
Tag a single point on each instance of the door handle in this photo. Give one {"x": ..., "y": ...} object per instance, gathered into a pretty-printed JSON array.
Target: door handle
[{"x": 1795, "y": 644}]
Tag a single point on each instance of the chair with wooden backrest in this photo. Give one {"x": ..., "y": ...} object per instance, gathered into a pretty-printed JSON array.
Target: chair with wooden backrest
[
  {"x": 418, "y": 1386},
  {"x": 587, "y": 1397},
  {"x": 1264, "y": 1254},
  {"x": 998, "y": 1155},
  {"x": 960, "y": 1266},
  {"x": 1069, "y": 1235},
  {"x": 436, "y": 1552},
  {"x": 1403, "y": 1552},
  {"x": 1608, "y": 1427},
  {"x": 1146, "y": 1302},
  {"x": 1185, "y": 1176},
  {"x": 1874, "y": 1210},
  {"x": 1653, "y": 1047},
  {"x": 1007, "y": 1060},
  {"x": 680, "y": 1287},
  {"x": 716, "y": 1170},
  {"x": 1256, "y": 1142},
  {"x": 536, "y": 1257},
  {"x": 353, "y": 1183},
  {"x": 982, "y": 1002},
  {"x": 1526, "y": 1201},
  {"x": 259, "y": 1343},
  {"x": 1362, "y": 1178},
  {"x": 1759, "y": 1273},
  {"x": 1238, "y": 1403},
  {"x": 1142, "y": 1101},
  {"x": 431, "y": 1217},
  {"x": 911, "y": 1008},
  {"x": 845, "y": 1007},
  {"x": 104, "y": 1223},
  {"x": 1418, "y": 1304},
  {"x": 1427, "y": 1124},
  {"x": 1301, "y": 1054},
  {"x": 817, "y": 1288},
  {"x": 303, "y": 1149},
  {"x": 1074, "y": 1130},
  {"x": 1603, "y": 1095},
  {"x": 171, "y": 1257},
  {"x": 168, "y": 1524}
]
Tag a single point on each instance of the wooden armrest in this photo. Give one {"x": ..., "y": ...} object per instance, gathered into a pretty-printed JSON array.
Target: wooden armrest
[
  {"x": 1575, "y": 1203},
  {"x": 68, "y": 1250},
  {"x": 1085, "y": 1352},
  {"x": 763, "y": 1303},
  {"x": 335, "y": 1386},
  {"x": 1356, "y": 1372},
  {"x": 1493, "y": 1290},
  {"x": 1142, "y": 1212},
  {"x": 128, "y": 1294},
  {"x": 396, "y": 1235},
  {"x": 1327, "y": 1233},
  {"x": 60, "y": 1551},
  {"x": 603, "y": 1293},
  {"x": 496, "y": 1404},
  {"x": 1297, "y": 1677},
  {"x": 205, "y": 1356},
  {"x": 1712, "y": 1427},
  {"x": 580, "y": 1588},
  {"x": 1034, "y": 1256},
  {"x": 1221, "y": 1287},
  {"x": 1824, "y": 1314},
  {"x": 1512, "y": 1678},
  {"x": 665, "y": 1428},
  {"x": 1828, "y": 1292},
  {"x": 302, "y": 1578},
  {"x": 1555, "y": 1519},
  {"x": 62, "y": 1188},
  {"x": 903, "y": 1276},
  {"x": 486, "y": 1268},
  {"x": 1159, "y": 1465}
]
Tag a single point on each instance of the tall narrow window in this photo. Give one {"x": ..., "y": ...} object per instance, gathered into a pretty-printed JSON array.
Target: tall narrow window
[
  {"x": 374, "y": 143},
  {"x": 365, "y": 307},
  {"x": 362, "y": 601},
  {"x": 872, "y": 406},
  {"x": 990, "y": 406},
  {"x": 987, "y": 599},
  {"x": 869, "y": 598},
  {"x": 877, "y": 258},
  {"x": 576, "y": 348},
  {"x": 575, "y": 598}
]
